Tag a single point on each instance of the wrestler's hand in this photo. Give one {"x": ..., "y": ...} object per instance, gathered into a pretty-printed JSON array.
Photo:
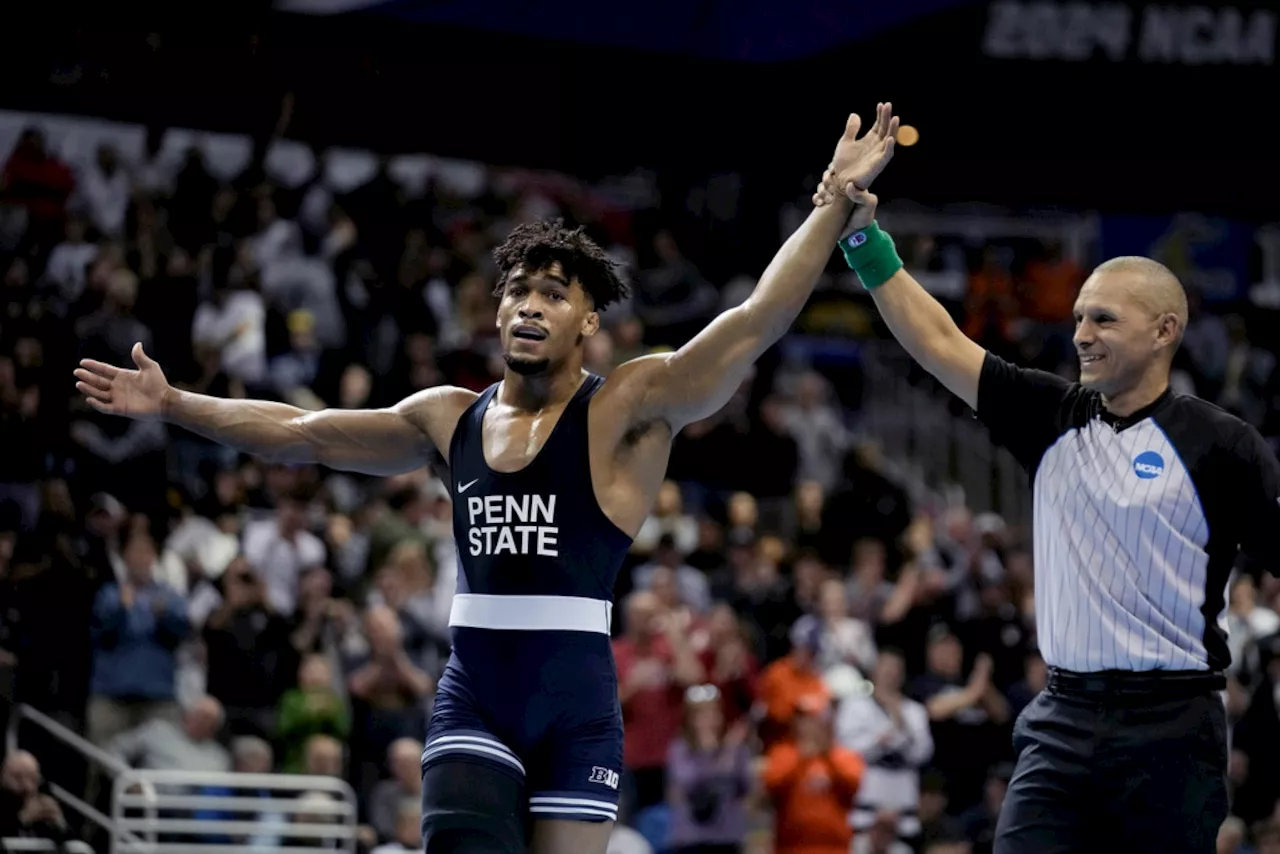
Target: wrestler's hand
[
  {"x": 137, "y": 394},
  {"x": 858, "y": 161}
]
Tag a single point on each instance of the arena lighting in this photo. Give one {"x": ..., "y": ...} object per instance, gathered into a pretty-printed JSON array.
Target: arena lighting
[{"x": 908, "y": 135}]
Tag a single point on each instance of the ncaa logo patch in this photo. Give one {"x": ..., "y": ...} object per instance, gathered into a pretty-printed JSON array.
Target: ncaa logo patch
[
  {"x": 604, "y": 777},
  {"x": 1148, "y": 464}
]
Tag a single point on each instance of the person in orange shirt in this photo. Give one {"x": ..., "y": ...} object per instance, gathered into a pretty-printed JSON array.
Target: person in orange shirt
[
  {"x": 812, "y": 782},
  {"x": 788, "y": 679}
]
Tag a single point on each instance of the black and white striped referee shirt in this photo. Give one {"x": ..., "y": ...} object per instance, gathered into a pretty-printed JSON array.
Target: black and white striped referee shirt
[{"x": 1138, "y": 521}]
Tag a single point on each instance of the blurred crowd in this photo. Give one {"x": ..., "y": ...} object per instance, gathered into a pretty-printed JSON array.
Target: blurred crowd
[{"x": 807, "y": 661}]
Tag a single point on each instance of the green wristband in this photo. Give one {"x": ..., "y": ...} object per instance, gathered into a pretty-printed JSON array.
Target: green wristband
[{"x": 870, "y": 253}]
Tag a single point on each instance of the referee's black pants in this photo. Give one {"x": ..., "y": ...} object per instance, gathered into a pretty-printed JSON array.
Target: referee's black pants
[{"x": 1127, "y": 769}]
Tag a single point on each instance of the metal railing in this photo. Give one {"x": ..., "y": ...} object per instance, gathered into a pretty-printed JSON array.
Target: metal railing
[
  {"x": 15, "y": 845},
  {"x": 93, "y": 754},
  {"x": 166, "y": 812},
  {"x": 932, "y": 446}
]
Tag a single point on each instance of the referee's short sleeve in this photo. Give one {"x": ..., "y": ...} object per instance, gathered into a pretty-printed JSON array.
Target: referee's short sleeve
[
  {"x": 1260, "y": 502},
  {"x": 1024, "y": 409}
]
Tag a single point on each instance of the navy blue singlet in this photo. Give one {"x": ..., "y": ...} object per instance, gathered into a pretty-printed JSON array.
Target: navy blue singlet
[{"x": 531, "y": 686}]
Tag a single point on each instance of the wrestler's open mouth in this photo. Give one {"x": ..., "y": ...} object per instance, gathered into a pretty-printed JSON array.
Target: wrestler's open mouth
[{"x": 529, "y": 333}]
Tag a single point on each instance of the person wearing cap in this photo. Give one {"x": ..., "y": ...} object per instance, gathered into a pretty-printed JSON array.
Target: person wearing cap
[
  {"x": 812, "y": 782},
  {"x": 786, "y": 680}
]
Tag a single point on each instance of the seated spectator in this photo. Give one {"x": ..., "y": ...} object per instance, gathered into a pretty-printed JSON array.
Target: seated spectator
[
  {"x": 160, "y": 745},
  {"x": 313, "y": 708},
  {"x": 324, "y": 757},
  {"x": 322, "y": 805},
  {"x": 788, "y": 679},
  {"x": 26, "y": 807},
  {"x": 249, "y": 655},
  {"x": 708, "y": 778},
  {"x": 249, "y": 755},
  {"x": 404, "y": 759},
  {"x": 812, "y": 782},
  {"x": 408, "y": 828},
  {"x": 891, "y": 733},
  {"x": 137, "y": 625}
]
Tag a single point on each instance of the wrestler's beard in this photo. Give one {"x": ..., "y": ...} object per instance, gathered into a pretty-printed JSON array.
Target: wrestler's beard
[{"x": 526, "y": 367}]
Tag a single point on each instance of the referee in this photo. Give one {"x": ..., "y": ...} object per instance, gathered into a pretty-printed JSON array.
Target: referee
[{"x": 1144, "y": 499}]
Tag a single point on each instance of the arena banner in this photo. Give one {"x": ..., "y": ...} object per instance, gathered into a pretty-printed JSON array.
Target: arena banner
[
  {"x": 1209, "y": 254},
  {"x": 741, "y": 30},
  {"x": 1240, "y": 34}
]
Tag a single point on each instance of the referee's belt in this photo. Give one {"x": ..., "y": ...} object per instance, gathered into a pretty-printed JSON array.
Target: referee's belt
[{"x": 1154, "y": 684}]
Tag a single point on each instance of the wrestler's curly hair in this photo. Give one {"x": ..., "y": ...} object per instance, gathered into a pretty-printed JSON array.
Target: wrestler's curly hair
[{"x": 536, "y": 245}]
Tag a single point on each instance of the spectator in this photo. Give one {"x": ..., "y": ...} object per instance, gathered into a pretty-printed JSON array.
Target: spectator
[
  {"x": 313, "y": 708},
  {"x": 708, "y": 778},
  {"x": 137, "y": 625},
  {"x": 689, "y": 582},
  {"x": 784, "y": 682},
  {"x": 26, "y": 807},
  {"x": 68, "y": 264},
  {"x": 282, "y": 549},
  {"x": 967, "y": 716},
  {"x": 844, "y": 639},
  {"x": 324, "y": 757},
  {"x": 818, "y": 429},
  {"x": 668, "y": 517},
  {"x": 161, "y": 745},
  {"x": 249, "y": 755},
  {"x": 727, "y": 661},
  {"x": 250, "y": 659},
  {"x": 404, "y": 759},
  {"x": 656, "y": 663},
  {"x": 390, "y": 690},
  {"x": 891, "y": 734},
  {"x": 812, "y": 782},
  {"x": 408, "y": 828},
  {"x": 106, "y": 190}
]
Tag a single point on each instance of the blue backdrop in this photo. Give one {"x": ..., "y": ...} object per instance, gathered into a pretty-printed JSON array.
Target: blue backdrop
[{"x": 1209, "y": 254}]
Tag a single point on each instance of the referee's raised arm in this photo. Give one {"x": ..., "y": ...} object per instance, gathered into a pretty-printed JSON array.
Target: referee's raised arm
[{"x": 919, "y": 322}]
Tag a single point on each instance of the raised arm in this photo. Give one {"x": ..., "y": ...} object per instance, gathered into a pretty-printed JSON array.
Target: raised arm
[
  {"x": 919, "y": 322},
  {"x": 698, "y": 379},
  {"x": 370, "y": 441}
]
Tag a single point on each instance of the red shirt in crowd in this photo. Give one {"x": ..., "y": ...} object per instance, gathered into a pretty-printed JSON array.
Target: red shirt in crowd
[{"x": 651, "y": 715}]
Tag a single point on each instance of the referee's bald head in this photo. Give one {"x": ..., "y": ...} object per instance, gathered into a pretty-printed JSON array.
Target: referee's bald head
[
  {"x": 1152, "y": 284},
  {"x": 1130, "y": 317}
]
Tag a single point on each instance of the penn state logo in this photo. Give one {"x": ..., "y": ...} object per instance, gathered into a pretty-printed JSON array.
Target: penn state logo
[{"x": 1148, "y": 464}]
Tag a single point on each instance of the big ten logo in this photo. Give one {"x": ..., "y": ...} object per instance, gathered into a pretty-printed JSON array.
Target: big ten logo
[
  {"x": 1077, "y": 32},
  {"x": 512, "y": 524},
  {"x": 604, "y": 777}
]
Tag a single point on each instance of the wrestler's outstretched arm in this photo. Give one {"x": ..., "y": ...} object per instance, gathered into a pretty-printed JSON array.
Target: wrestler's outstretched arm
[
  {"x": 370, "y": 441},
  {"x": 698, "y": 379}
]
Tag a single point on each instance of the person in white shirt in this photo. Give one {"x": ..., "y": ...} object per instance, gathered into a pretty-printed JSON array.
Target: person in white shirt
[
  {"x": 891, "y": 733},
  {"x": 69, "y": 262},
  {"x": 106, "y": 191},
  {"x": 233, "y": 324},
  {"x": 280, "y": 549}
]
